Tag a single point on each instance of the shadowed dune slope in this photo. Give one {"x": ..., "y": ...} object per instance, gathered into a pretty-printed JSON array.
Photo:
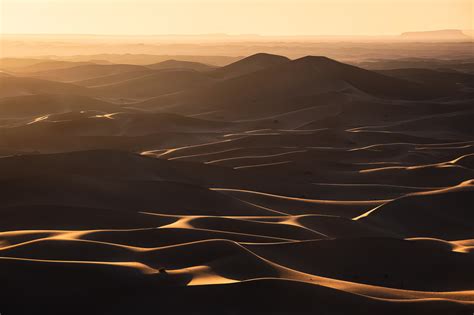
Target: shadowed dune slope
[
  {"x": 123, "y": 122},
  {"x": 28, "y": 66},
  {"x": 267, "y": 186},
  {"x": 18, "y": 86},
  {"x": 452, "y": 80},
  {"x": 248, "y": 65},
  {"x": 180, "y": 64},
  {"x": 376, "y": 261},
  {"x": 294, "y": 83},
  {"x": 85, "y": 72},
  {"x": 445, "y": 214},
  {"x": 44, "y": 104},
  {"x": 136, "y": 292},
  {"x": 159, "y": 83},
  {"x": 452, "y": 125},
  {"x": 114, "y": 78}
]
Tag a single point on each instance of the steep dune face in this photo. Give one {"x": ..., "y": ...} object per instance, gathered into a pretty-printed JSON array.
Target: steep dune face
[{"x": 266, "y": 186}]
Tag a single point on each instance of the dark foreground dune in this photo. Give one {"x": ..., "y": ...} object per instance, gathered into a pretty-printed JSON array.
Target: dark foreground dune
[{"x": 266, "y": 186}]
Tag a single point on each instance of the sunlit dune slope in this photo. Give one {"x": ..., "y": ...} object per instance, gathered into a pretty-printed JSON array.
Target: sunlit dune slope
[{"x": 268, "y": 185}]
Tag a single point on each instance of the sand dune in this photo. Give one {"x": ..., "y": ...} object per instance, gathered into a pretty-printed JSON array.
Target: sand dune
[
  {"x": 29, "y": 106},
  {"x": 100, "y": 194},
  {"x": 180, "y": 64},
  {"x": 177, "y": 261},
  {"x": 26, "y": 66},
  {"x": 84, "y": 72},
  {"x": 50, "y": 217},
  {"x": 160, "y": 83},
  {"x": 114, "y": 78},
  {"x": 120, "y": 123},
  {"x": 207, "y": 265},
  {"x": 248, "y": 65},
  {"x": 373, "y": 261},
  {"x": 451, "y": 80},
  {"x": 463, "y": 65},
  {"x": 16, "y": 86},
  {"x": 266, "y": 186},
  {"x": 295, "y": 205},
  {"x": 295, "y": 82},
  {"x": 453, "y": 125},
  {"x": 70, "y": 123},
  {"x": 7, "y": 63},
  {"x": 401, "y": 215}
]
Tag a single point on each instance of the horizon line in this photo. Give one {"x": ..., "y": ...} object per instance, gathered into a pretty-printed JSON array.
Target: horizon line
[{"x": 232, "y": 35}]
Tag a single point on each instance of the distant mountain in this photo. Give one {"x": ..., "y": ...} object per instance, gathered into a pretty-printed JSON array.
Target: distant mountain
[
  {"x": 179, "y": 64},
  {"x": 248, "y": 65},
  {"x": 437, "y": 35}
]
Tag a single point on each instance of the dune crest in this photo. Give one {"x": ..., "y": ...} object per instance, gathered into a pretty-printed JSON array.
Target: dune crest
[{"x": 268, "y": 185}]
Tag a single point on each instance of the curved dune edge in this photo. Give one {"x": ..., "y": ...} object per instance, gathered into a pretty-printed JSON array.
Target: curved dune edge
[
  {"x": 307, "y": 185},
  {"x": 207, "y": 275},
  {"x": 460, "y": 246},
  {"x": 464, "y": 186},
  {"x": 348, "y": 202},
  {"x": 204, "y": 275}
]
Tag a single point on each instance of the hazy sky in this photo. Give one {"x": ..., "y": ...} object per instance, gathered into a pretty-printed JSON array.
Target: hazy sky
[{"x": 265, "y": 17}]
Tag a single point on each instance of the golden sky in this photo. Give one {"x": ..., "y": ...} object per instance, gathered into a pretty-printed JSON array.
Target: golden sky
[{"x": 264, "y": 17}]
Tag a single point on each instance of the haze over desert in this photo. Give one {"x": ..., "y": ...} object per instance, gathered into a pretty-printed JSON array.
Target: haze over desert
[{"x": 233, "y": 167}]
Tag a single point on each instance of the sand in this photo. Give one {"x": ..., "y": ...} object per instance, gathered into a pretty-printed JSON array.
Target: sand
[{"x": 266, "y": 186}]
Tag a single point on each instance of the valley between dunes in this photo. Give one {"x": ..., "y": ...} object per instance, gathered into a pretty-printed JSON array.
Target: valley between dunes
[{"x": 268, "y": 185}]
